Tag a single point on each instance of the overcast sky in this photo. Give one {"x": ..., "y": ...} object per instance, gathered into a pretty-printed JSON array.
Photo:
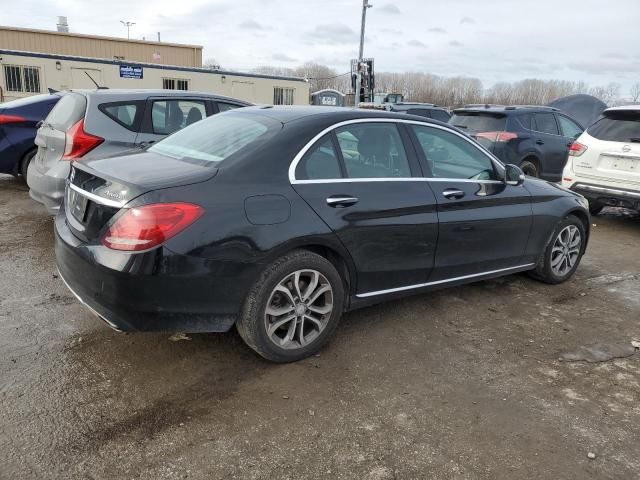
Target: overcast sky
[{"x": 592, "y": 40}]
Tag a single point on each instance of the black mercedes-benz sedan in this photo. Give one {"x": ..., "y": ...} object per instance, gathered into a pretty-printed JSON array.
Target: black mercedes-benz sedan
[{"x": 278, "y": 220}]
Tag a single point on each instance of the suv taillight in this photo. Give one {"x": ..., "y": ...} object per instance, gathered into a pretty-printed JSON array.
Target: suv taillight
[
  {"x": 576, "y": 149},
  {"x": 4, "y": 119},
  {"x": 500, "y": 137},
  {"x": 78, "y": 142},
  {"x": 145, "y": 227}
]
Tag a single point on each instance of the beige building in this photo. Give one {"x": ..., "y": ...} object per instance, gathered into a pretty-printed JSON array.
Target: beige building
[
  {"x": 94, "y": 46},
  {"x": 33, "y": 61}
]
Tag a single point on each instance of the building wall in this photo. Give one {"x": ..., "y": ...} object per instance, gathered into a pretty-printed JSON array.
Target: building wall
[
  {"x": 44, "y": 41},
  {"x": 62, "y": 73}
]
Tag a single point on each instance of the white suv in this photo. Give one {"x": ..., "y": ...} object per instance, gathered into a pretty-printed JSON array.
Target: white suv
[{"x": 604, "y": 162}]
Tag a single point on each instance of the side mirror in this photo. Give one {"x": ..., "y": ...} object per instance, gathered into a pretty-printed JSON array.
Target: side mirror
[{"x": 513, "y": 175}]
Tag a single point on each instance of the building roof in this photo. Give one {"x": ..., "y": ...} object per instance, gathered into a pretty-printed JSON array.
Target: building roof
[{"x": 98, "y": 37}]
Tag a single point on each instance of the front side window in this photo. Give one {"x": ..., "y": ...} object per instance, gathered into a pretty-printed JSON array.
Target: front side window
[
  {"x": 569, "y": 129},
  {"x": 373, "y": 150},
  {"x": 451, "y": 156},
  {"x": 320, "y": 163},
  {"x": 546, "y": 123},
  {"x": 282, "y": 96},
  {"x": 168, "y": 116}
]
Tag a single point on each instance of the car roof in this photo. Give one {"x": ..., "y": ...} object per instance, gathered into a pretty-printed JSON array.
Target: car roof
[
  {"x": 504, "y": 108},
  {"x": 286, "y": 114},
  {"x": 114, "y": 94}
]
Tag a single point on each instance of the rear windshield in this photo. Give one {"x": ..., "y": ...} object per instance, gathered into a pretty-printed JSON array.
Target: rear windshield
[
  {"x": 214, "y": 139},
  {"x": 617, "y": 127},
  {"x": 67, "y": 112},
  {"x": 479, "y": 122}
]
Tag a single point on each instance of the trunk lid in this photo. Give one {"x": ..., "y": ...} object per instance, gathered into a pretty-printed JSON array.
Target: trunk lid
[
  {"x": 51, "y": 138},
  {"x": 98, "y": 189}
]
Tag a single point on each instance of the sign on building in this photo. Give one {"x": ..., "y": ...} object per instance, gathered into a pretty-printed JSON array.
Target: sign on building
[{"x": 129, "y": 71}]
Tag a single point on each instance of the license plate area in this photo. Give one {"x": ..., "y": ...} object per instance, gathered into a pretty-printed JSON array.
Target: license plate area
[
  {"x": 77, "y": 205},
  {"x": 622, "y": 164}
]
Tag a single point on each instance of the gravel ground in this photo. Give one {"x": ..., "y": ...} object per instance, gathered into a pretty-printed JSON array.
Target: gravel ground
[{"x": 508, "y": 379}]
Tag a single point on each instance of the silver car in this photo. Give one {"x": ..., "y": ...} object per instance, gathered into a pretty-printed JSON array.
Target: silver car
[{"x": 89, "y": 124}]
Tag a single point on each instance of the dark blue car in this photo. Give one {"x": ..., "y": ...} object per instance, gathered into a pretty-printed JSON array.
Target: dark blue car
[{"x": 18, "y": 126}]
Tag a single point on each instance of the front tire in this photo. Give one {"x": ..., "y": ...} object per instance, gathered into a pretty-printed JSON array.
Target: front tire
[
  {"x": 293, "y": 308},
  {"x": 562, "y": 255},
  {"x": 530, "y": 168}
]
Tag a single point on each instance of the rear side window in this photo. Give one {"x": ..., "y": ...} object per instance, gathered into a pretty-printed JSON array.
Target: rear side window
[
  {"x": 617, "y": 127},
  {"x": 225, "y": 107},
  {"x": 126, "y": 114},
  {"x": 479, "y": 122},
  {"x": 67, "y": 112},
  {"x": 546, "y": 123},
  {"x": 569, "y": 129},
  {"x": 168, "y": 116},
  {"x": 320, "y": 163},
  {"x": 373, "y": 150},
  {"x": 440, "y": 115},
  {"x": 526, "y": 121}
]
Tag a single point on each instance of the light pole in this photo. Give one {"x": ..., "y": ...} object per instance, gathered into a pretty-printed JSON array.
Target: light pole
[
  {"x": 128, "y": 25},
  {"x": 365, "y": 5}
]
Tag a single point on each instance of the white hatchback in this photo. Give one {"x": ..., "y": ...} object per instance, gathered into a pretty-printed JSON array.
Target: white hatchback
[{"x": 604, "y": 162}]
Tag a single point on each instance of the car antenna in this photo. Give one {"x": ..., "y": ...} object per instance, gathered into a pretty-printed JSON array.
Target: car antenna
[{"x": 94, "y": 82}]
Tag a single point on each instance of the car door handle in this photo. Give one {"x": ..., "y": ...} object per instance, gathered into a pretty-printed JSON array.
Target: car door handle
[
  {"x": 539, "y": 142},
  {"x": 341, "y": 201},
  {"x": 453, "y": 193}
]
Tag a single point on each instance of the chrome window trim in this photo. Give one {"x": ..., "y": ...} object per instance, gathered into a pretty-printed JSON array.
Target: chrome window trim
[
  {"x": 96, "y": 198},
  {"x": 311, "y": 143},
  {"x": 438, "y": 282}
]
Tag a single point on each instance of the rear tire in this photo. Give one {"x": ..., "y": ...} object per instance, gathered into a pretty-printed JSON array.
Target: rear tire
[
  {"x": 563, "y": 253},
  {"x": 293, "y": 308},
  {"x": 530, "y": 168},
  {"x": 24, "y": 163}
]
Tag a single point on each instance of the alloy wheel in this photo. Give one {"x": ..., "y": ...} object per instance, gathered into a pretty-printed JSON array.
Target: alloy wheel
[
  {"x": 566, "y": 250},
  {"x": 298, "y": 309}
]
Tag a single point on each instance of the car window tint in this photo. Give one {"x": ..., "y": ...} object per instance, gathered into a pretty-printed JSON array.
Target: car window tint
[
  {"x": 450, "y": 156},
  {"x": 525, "y": 121},
  {"x": 569, "y": 128},
  {"x": 224, "y": 107},
  {"x": 68, "y": 111},
  {"x": 124, "y": 114},
  {"x": 546, "y": 123},
  {"x": 479, "y": 122},
  {"x": 168, "y": 116},
  {"x": 440, "y": 115},
  {"x": 320, "y": 163},
  {"x": 373, "y": 150},
  {"x": 617, "y": 126},
  {"x": 422, "y": 112}
]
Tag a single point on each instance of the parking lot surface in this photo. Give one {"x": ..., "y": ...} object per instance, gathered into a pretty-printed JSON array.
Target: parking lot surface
[{"x": 507, "y": 378}]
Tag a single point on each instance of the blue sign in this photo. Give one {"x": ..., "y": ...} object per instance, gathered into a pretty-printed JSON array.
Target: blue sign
[{"x": 128, "y": 71}]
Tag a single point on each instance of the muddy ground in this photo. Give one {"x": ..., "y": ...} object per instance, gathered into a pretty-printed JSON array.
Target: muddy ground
[{"x": 504, "y": 379}]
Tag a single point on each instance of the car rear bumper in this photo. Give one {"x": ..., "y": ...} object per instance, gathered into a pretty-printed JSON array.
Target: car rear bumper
[
  {"x": 48, "y": 188},
  {"x": 151, "y": 291},
  {"x": 609, "y": 196}
]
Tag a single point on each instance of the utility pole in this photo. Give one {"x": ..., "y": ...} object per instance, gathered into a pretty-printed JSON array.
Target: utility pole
[
  {"x": 365, "y": 5},
  {"x": 128, "y": 25}
]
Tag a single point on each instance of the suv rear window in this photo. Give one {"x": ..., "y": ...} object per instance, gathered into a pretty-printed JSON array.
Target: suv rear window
[
  {"x": 67, "y": 112},
  {"x": 617, "y": 127},
  {"x": 479, "y": 122}
]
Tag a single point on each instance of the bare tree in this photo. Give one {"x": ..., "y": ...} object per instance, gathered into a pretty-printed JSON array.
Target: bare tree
[
  {"x": 635, "y": 92},
  {"x": 211, "y": 64}
]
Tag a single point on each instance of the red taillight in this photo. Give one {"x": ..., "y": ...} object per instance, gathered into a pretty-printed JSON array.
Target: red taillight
[
  {"x": 4, "y": 119},
  {"x": 497, "y": 136},
  {"x": 79, "y": 142},
  {"x": 576, "y": 149},
  {"x": 142, "y": 228}
]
